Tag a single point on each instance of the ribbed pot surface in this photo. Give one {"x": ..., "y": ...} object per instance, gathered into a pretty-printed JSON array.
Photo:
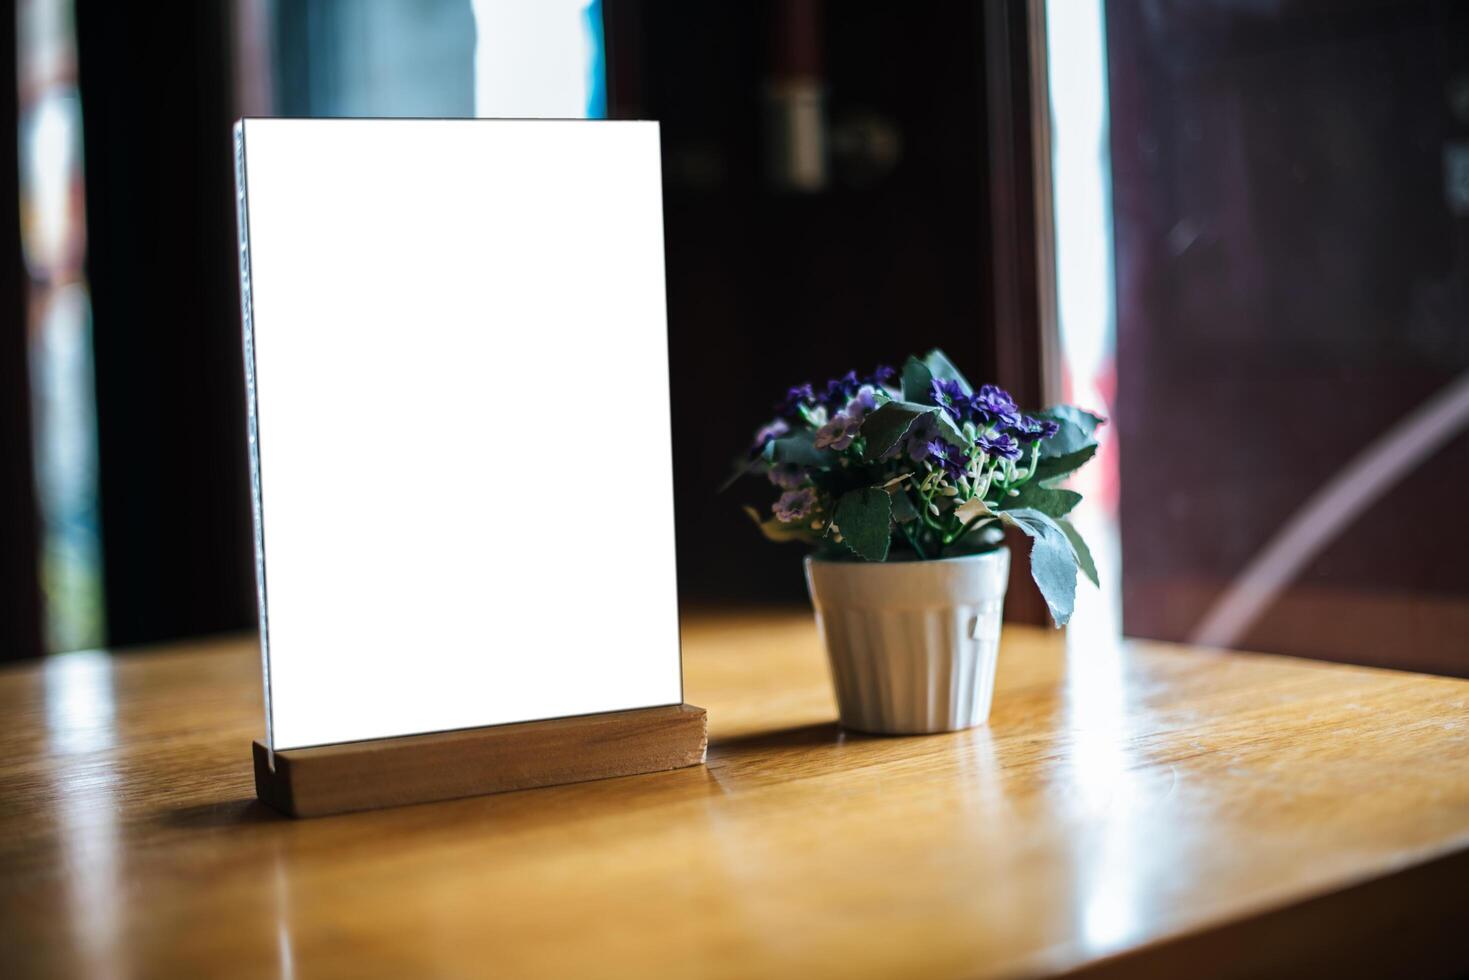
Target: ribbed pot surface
[{"x": 912, "y": 644}]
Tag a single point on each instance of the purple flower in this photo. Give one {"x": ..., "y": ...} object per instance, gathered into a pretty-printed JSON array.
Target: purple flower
[
  {"x": 795, "y": 398},
  {"x": 1030, "y": 429},
  {"x": 787, "y": 476},
  {"x": 954, "y": 461},
  {"x": 864, "y": 401},
  {"x": 774, "y": 430},
  {"x": 994, "y": 405},
  {"x": 838, "y": 433},
  {"x": 882, "y": 376},
  {"x": 839, "y": 390},
  {"x": 1001, "y": 445},
  {"x": 794, "y": 505},
  {"x": 950, "y": 396}
]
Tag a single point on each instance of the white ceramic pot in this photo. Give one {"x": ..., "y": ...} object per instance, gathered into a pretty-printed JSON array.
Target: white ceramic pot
[{"x": 912, "y": 644}]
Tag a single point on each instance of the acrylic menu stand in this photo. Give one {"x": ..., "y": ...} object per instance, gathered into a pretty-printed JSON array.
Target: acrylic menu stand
[{"x": 355, "y": 771}]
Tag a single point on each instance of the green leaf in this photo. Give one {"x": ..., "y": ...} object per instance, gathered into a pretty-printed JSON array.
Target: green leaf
[
  {"x": 949, "y": 431},
  {"x": 886, "y": 425},
  {"x": 917, "y": 382},
  {"x": 940, "y": 366},
  {"x": 776, "y": 531},
  {"x": 890, "y": 422},
  {"x": 1082, "y": 552},
  {"x": 1052, "y": 503},
  {"x": 1075, "y": 434},
  {"x": 1049, "y": 471},
  {"x": 1069, "y": 438},
  {"x": 800, "y": 448},
  {"x": 903, "y": 509},
  {"x": 1052, "y": 562},
  {"x": 864, "y": 518},
  {"x": 1080, "y": 417}
]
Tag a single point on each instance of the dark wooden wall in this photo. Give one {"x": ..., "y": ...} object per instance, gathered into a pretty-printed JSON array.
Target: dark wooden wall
[
  {"x": 20, "y": 593},
  {"x": 767, "y": 287},
  {"x": 157, "y": 112}
]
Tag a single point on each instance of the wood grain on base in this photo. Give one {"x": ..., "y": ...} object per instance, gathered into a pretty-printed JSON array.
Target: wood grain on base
[{"x": 385, "y": 772}]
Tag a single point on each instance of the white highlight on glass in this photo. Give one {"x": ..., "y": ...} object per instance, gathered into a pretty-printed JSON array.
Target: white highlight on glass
[
  {"x": 464, "y": 437},
  {"x": 1076, "y": 57},
  {"x": 1104, "y": 765}
]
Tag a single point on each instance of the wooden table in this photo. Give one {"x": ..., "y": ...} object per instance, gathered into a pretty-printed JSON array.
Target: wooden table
[{"x": 1131, "y": 809}]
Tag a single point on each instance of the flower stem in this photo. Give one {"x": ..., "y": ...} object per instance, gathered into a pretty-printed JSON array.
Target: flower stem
[
  {"x": 977, "y": 521},
  {"x": 927, "y": 516},
  {"x": 1035, "y": 462},
  {"x": 912, "y": 541}
]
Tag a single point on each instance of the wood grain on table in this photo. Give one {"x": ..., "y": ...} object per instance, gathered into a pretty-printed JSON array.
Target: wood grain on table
[{"x": 1135, "y": 809}]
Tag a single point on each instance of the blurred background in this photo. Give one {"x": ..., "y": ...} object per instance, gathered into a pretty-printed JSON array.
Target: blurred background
[{"x": 1238, "y": 228}]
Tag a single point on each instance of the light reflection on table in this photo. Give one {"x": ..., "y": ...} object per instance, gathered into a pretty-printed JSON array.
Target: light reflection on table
[
  {"x": 80, "y": 728},
  {"x": 1109, "y": 784}
]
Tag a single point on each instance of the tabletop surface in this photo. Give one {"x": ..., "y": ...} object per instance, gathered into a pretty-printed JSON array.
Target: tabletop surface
[{"x": 1130, "y": 807}]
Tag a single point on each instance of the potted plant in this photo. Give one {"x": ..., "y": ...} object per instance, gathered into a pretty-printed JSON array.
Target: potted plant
[{"x": 901, "y": 484}]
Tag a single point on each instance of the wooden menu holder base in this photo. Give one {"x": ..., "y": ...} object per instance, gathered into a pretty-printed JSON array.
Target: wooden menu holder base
[{"x": 387, "y": 772}]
